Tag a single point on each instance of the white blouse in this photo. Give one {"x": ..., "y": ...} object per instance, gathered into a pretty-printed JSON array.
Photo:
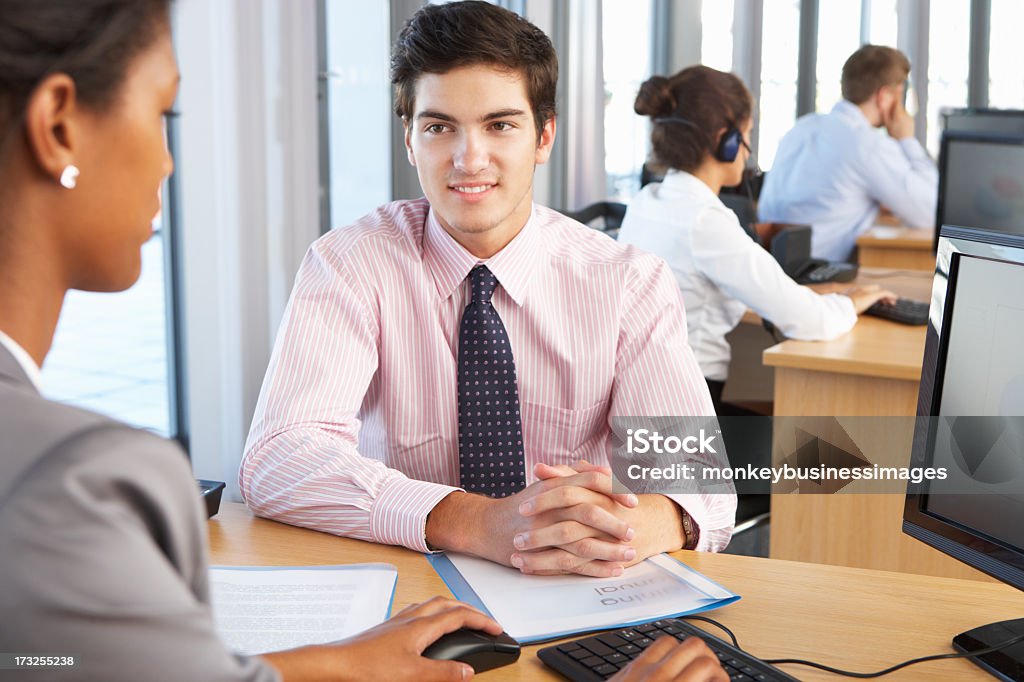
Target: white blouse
[{"x": 722, "y": 272}]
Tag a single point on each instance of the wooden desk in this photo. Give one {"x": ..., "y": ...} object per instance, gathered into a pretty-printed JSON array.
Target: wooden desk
[
  {"x": 904, "y": 248},
  {"x": 874, "y": 370},
  {"x": 850, "y": 618}
]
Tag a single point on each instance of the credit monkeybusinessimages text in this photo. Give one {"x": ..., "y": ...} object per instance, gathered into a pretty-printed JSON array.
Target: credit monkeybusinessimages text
[{"x": 875, "y": 472}]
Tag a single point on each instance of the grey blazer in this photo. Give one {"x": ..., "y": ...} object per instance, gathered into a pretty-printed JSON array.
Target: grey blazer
[{"x": 102, "y": 548}]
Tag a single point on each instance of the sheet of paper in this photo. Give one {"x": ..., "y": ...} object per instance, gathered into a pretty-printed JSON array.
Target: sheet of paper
[
  {"x": 532, "y": 607},
  {"x": 263, "y": 609}
]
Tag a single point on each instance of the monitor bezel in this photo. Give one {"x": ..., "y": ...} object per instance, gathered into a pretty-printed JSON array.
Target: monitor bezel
[
  {"x": 953, "y": 137},
  {"x": 972, "y": 112},
  {"x": 972, "y": 548}
]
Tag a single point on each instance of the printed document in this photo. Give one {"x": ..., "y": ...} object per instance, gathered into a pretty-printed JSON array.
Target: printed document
[
  {"x": 533, "y": 608},
  {"x": 263, "y": 609}
]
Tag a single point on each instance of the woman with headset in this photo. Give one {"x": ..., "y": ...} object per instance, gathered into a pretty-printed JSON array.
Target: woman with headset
[{"x": 701, "y": 119}]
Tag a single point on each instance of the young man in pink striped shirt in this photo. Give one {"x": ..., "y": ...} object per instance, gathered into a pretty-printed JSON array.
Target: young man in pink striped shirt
[{"x": 448, "y": 367}]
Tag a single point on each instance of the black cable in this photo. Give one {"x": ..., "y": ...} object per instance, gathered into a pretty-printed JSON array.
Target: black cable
[
  {"x": 898, "y": 666},
  {"x": 727, "y": 631},
  {"x": 848, "y": 673}
]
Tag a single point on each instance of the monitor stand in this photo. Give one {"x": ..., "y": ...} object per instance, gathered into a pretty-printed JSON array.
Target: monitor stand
[{"x": 1006, "y": 664}]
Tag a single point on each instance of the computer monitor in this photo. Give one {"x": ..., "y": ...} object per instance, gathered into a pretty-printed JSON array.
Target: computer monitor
[
  {"x": 981, "y": 182},
  {"x": 969, "y": 422},
  {"x": 997, "y": 121}
]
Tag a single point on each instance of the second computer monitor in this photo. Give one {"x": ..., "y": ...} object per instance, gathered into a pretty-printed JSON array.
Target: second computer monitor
[
  {"x": 981, "y": 182},
  {"x": 993, "y": 121}
]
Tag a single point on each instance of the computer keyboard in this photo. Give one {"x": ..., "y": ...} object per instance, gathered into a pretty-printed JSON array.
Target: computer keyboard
[
  {"x": 602, "y": 656},
  {"x": 904, "y": 310}
]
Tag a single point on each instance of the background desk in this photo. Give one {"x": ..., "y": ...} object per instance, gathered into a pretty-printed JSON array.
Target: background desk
[
  {"x": 874, "y": 370},
  {"x": 904, "y": 248},
  {"x": 851, "y": 618}
]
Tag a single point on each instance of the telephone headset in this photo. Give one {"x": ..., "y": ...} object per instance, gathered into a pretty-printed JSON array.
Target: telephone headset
[
  {"x": 728, "y": 144},
  {"x": 728, "y": 148}
]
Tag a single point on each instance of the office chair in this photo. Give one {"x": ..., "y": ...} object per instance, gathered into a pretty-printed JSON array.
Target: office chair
[{"x": 610, "y": 213}]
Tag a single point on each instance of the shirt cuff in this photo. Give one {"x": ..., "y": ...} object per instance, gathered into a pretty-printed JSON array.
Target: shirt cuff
[{"x": 399, "y": 514}]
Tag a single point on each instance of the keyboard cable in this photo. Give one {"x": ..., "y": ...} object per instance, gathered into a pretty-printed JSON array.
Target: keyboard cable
[{"x": 863, "y": 676}]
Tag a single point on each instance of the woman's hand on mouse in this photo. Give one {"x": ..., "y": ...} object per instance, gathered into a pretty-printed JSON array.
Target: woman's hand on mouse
[
  {"x": 671, "y": 660},
  {"x": 391, "y": 650}
]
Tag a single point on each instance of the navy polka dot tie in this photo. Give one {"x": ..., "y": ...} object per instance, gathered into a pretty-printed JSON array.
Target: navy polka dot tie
[{"x": 490, "y": 432}]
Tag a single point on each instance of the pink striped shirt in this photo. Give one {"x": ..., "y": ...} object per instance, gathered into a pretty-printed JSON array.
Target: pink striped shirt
[{"x": 356, "y": 429}]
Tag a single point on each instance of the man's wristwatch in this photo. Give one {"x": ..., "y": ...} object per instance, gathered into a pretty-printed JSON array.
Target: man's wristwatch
[{"x": 690, "y": 530}]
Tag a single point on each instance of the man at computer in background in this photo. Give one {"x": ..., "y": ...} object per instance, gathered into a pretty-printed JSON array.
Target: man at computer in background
[
  {"x": 446, "y": 364},
  {"x": 832, "y": 171}
]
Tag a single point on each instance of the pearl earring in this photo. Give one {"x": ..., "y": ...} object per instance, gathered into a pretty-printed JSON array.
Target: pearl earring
[{"x": 69, "y": 177}]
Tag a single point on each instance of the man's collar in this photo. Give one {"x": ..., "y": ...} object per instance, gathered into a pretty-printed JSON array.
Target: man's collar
[
  {"x": 851, "y": 112},
  {"x": 449, "y": 262}
]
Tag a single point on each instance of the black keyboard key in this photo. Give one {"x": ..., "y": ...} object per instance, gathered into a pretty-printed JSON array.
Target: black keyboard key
[
  {"x": 617, "y": 658},
  {"x": 644, "y": 629},
  {"x": 595, "y": 647},
  {"x": 628, "y": 634},
  {"x": 643, "y": 642},
  {"x": 578, "y": 654},
  {"x": 614, "y": 641},
  {"x": 566, "y": 648},
  {"x": 658, "y": 633},
  {"x": 607, "y": 670},
  {"x": 671, "y": 630},
  {"x": 630, "y": 649},
  {"x": 592, "y": 662}
]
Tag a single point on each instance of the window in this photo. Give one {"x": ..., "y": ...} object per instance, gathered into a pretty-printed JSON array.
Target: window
[
  {"x": 110, "y": 351},
  {"x": 779, "y": 56},
  {"x": 1006, "y": 54},
  {"x": 716, "y": 34},
  {"x": 358, "y": 116},
  {"x": 879, "y": 22},
  {"x": 948, "y": 63},
  {"x": 838, "y": 37},
  {"x": 626, "y": 36}
]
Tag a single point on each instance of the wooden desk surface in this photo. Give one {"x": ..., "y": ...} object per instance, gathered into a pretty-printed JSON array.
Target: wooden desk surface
[
  {"x": 908, "y": 248},
  {"x": 898, "y": 237},
  {"x": 874, "y": 347},
  {"x": 846, "y": 617}
]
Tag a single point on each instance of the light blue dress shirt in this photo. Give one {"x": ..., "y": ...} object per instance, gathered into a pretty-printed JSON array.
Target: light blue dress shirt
[{"x": 832, "y": 171}]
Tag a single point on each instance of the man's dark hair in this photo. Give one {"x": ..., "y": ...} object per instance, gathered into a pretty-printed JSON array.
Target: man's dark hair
[
  {"x": 707, "y": 99},
  {"x": 92, "y": 41},
  {"x": 870, "y": 68},
  {"x": 439, "y": 38}
]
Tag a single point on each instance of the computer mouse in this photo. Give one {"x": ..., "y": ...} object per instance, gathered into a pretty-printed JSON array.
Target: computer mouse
[{"x": 482, "y": 651}]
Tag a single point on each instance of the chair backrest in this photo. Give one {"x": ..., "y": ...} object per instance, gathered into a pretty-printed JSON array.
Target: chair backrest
[
  {"x": 744, "y": 210},
  {"x": 610, "y": 213}
]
